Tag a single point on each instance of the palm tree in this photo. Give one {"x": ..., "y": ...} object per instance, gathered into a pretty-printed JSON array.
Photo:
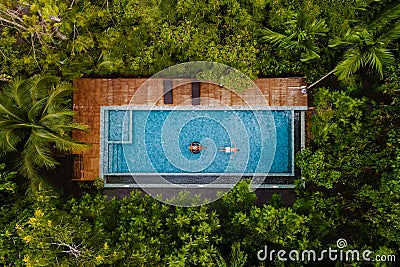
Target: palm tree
[
  {"x": 368, "y": 45},
  {"x": 36, "y": 122},
  {"x": 301, "y": 36}
]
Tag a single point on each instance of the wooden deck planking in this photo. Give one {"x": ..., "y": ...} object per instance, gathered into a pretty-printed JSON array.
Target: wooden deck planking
[
  {"x": 204, "y": 94},
  {"x": 237, "y": 100},
  {"x": 225, "y": 97},
  {"x": 182, "y": 95}
]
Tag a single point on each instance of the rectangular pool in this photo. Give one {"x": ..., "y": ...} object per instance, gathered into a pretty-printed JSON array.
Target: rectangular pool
[{"x": 155, "y": 140}]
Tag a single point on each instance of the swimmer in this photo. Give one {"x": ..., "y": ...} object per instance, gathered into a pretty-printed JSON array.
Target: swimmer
[
  {"x": 230, "y": 150},
  {"x": 195, "y": 147}
]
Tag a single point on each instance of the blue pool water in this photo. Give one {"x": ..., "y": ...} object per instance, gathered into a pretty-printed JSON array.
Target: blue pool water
[{"x": 142, "y": 141}]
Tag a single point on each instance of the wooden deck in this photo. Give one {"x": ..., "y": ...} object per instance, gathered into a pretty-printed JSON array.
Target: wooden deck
[{"x": 90, "y": 94}]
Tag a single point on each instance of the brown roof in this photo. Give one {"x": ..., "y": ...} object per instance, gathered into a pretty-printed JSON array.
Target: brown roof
[{"x": 92, "y": 93}]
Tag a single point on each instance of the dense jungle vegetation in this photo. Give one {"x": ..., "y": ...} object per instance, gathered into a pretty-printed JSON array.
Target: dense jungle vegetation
[{"x": 351, "y": 167}]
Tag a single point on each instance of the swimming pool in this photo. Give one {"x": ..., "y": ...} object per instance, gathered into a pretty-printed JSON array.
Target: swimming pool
[{"x": 140, "y": 141}]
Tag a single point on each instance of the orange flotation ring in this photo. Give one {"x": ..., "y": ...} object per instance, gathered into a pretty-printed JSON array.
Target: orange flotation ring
[{"x": 195, "y": 147}]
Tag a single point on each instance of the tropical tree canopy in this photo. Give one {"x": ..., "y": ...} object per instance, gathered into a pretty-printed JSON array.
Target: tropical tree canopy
[
  {"x": 301, "y": 35},
  {"x": 368, "y": 45},
  {"x": 35, "y": 122}
]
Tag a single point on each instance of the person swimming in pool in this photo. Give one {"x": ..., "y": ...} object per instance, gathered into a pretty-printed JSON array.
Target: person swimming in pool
[
  {"x": 195, "y": 147},
  {"x": 230, "y": 150}
]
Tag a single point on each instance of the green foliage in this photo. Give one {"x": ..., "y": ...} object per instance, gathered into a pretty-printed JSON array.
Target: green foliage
[
  {"x": 353, "y": 159},
  {"x": 140, "y": 38},
  {"x": 301, "y": 36},
  {"x": 340, "y": 136},
  {"x": 10, "y": 242},
  {"x": 36, "y": 121},
  {"x": 305, "y": 26},
  {"x": 276, "y": 201},
  {"x": 140, "y": 231},
  {"x": 253, "y": 227},
  {"x": 129, "y": 38},
  {"x": 98, "y": 183},
  {"x": 14, "y": 207},
  {"x": 237, "y": 258},
  {"x": 8, "y": 185},
  {"x": 50, "y": 37},
  {"x": 369, "y": 45}
]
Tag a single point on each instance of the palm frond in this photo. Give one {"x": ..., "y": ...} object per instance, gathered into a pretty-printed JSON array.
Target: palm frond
[
  {"x": 385, "y": 18},
  {"x": 18, "y": 94},
  {"x": 26, "y": 167},
  {"x": 336, "y": 42},
  {"x": 39, "y": 153},
  {"x": 61, "y": 90},
  {"x": 309, "y": 55},
  {"x": 39, "y": 86},
  {"x": 6, "y": 111},
  {"x": 35, "y": 120},
  {"x": 317, "y": 27},
  {"x": 36, "y": 109},
  {"x": 269, "y": 36},
  {"x": 62, "y": 143},
  {"x": 5, "y": 122},
  {"x": 301, "y": 34},
  {"x": 73, "y": 126},
  {"x": 355, "y": 38},
  {"x": 350, "y": 38},
  {"x": 10, "y": 88},
  {"x": 10, "y": 138},
  {"x": 60, "y": 115},
  {"x": 44, "y": 158},
  {"x": 309, "y": 26},
  {"x": 27, "y": 125},
  {"x": 391, "y": 35},
  {"x": 60, "y": 121},
  {"x": 350, "y": 65},
  {"x": 362, "y": 4},
  {"x": 299, "y": 20},
  {"x": 379, "y": 57}
]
